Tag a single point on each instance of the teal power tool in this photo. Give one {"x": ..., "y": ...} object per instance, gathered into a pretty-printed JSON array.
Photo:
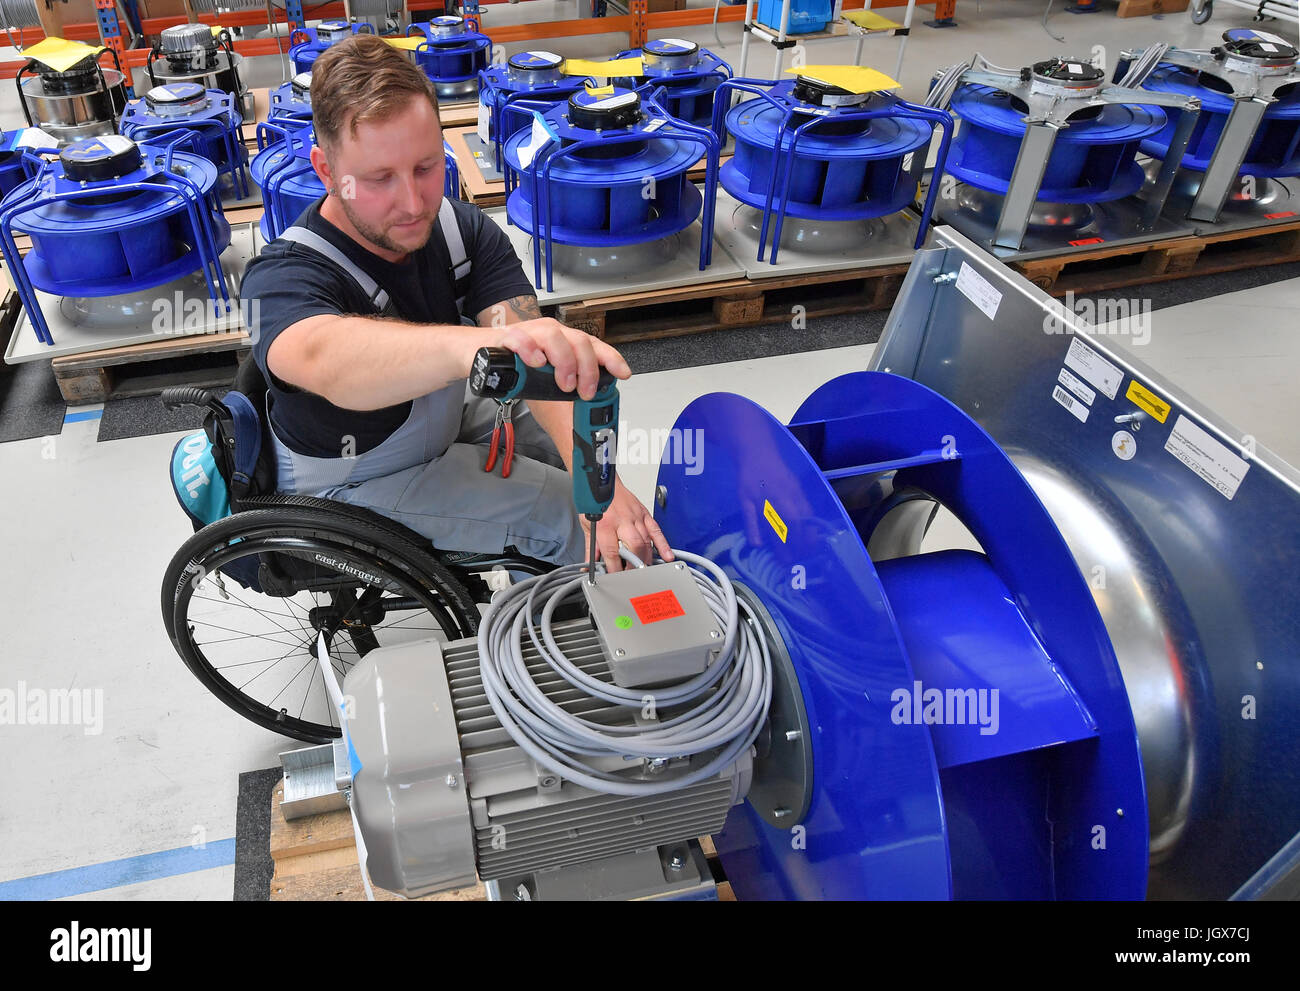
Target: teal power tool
[{"x": 500, "y": 374}]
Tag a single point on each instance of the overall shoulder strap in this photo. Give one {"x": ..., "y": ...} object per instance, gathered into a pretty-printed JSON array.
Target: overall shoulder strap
[
  {"x": 460, "y": 262},
  {"x": 310, "y": 239}
]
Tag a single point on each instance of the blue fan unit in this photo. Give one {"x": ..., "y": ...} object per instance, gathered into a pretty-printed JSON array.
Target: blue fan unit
[
  {"x": 283, "y": 172},
  {"x": 689, "y": 74},
  {"x": 1093, "y": 160},
  {"x": 452, "y": 54},
  {"x": 291, "y": 99},
  {"x": 1274, "y": 149},
  {"x": 319, "y": 38},
  {"x": 535, "y": 76},
  {"x": 614, "y": 174},
  {"x": 807, "y": 149},
  {"x": 110, "y": 216},
  {"x": 210, "y": 114}
]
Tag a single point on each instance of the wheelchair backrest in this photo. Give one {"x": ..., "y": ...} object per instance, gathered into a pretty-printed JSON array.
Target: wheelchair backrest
[{"x": 230, "y": 459}]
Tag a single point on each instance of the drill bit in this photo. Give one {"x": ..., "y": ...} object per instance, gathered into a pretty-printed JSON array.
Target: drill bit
[{"x": 591, "y": 557}]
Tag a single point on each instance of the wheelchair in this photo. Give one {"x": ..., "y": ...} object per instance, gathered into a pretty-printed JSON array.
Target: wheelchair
[{"x": 246, "y": 599}]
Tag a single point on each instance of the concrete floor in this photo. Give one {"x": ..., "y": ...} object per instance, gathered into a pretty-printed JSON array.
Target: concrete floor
[{"x": 146, "y": 808}]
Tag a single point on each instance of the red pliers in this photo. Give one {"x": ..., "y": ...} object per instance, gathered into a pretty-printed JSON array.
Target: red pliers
[{"x": 505, "y": 422}]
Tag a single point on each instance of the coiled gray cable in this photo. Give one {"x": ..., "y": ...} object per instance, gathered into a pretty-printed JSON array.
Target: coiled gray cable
[
  {"x": 19, "y": 13},
  {"x": 725, "y": 706}
]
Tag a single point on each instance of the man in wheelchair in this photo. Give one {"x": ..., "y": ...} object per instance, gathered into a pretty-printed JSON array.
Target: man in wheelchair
[
  {"x": 361, "y": 332},
  {"x": 355, "y": 409}
]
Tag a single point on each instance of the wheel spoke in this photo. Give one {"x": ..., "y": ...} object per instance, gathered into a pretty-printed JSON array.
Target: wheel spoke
[
  {"x": 264, "y": 670},
  {"x": 310, "y": 661},
  {"x": 238, "y": 601},
  {"x": 228, "y": 629},
  {"x": 262, "y": 613}
]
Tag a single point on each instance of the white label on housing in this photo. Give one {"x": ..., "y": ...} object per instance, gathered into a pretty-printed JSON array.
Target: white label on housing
[
  {"x": 1206, "y": 456},
  {"x": 978, "y": 290},
  {"x": 1093, "y": 368}
]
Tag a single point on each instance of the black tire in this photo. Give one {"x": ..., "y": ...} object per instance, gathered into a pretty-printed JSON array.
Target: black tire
[
  {"x": 353, "y": 564},
  {"x": 1204, "y": 13}
]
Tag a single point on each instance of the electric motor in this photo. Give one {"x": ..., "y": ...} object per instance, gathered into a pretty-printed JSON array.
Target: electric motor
[{"x": 80, "y": 101}]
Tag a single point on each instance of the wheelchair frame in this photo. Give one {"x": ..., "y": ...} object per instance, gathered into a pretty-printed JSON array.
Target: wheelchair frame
[{"x": 299, "y": 533}]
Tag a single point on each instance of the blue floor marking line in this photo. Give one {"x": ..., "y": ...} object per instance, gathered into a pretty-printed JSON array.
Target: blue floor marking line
[
  {"x": 115, "y": 873},
  {"x": 89, "y": 414}
]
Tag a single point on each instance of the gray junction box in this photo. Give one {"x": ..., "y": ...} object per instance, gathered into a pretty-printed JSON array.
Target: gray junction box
[{"x": 654, "y": 624}]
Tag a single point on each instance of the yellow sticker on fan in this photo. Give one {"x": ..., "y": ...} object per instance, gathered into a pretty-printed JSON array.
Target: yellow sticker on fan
[
  {"x": 854, "y": 78},
  {"x": 410, "y": 43},
  {"x": 59, "y": 53},
  {"x": 604, "y": 70}
]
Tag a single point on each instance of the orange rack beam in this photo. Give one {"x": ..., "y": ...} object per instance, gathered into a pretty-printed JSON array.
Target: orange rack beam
[{"x": 636, "y": 25}]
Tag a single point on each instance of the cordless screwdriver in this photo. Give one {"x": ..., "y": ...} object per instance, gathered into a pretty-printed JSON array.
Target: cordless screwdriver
[{"x": 500, "y": 374}]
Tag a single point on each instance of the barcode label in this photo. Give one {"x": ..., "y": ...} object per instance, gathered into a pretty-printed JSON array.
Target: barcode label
[
  {"x": 1070, "y": 403},
  {"x": 1075, "y": 386}
]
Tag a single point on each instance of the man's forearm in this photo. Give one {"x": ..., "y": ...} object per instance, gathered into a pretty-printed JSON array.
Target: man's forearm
[{"x": 361, "y": 363}]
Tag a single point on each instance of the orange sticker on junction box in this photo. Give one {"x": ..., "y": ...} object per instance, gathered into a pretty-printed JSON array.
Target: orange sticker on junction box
[{"x": 657, "y": 606}]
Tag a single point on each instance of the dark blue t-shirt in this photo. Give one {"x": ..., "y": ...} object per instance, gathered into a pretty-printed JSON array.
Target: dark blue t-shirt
[{"x": 291, "y": 282}]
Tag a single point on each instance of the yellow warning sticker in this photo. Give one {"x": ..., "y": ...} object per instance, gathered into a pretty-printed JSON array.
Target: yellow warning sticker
[
  {"x": 773, "y": 517},
  {"x": 1148, "y": 400}
]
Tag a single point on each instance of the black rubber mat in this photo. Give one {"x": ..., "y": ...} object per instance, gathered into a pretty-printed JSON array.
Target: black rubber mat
[
  {"x": 143, "y": 416},
  {"x": 253, "y": 863},
  {"x": 30, "y": 402}
]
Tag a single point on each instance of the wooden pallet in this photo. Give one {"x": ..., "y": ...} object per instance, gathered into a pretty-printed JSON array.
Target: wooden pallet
[
  {"x": 1096, "y": 269},
  {"x": 208, "y": 361},
  {"x": 658, "y": 313},
  {"x": 1145, "y": 8},
  {"x": 316, "y": 860},
  {"x": 458, "y": 114}
]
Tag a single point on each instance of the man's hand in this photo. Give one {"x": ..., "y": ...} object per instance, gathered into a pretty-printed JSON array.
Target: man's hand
[
  {"x": 629, "y": 521},
  {"x": 576, "y": 356}
]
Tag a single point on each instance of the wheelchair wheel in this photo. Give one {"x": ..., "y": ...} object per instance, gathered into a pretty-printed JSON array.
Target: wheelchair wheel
[{"x": 254, "y": 648}]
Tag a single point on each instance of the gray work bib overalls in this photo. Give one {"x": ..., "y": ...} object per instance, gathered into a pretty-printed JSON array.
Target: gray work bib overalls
[{"x": 428, "y": 474}]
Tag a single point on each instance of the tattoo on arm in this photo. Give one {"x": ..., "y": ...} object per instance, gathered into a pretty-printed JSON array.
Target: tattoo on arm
[{"x": 513, "y": 310}]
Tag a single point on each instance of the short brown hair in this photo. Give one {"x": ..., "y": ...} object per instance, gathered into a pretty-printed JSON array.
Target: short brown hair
[{"x": 362, "y": 78}]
